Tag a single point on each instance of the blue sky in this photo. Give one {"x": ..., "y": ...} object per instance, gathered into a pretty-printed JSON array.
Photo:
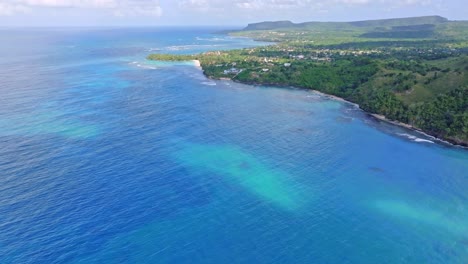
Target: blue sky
[{"x": 214, "y": 12}]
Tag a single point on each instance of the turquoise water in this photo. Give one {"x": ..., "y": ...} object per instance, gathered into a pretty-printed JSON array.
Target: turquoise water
[{"x": 108, "y": 158}]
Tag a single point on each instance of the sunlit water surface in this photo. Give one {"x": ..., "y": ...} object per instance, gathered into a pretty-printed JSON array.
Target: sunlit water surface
[{"x": 108, "y": 158}]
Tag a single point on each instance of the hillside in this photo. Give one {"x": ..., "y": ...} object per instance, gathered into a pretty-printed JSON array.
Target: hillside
[
  {"x": 383, "y": 23},
  {"x": 326, "y": 33}
]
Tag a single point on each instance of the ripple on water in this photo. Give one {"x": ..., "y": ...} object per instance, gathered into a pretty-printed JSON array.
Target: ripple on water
[{"x": 50, "y": 123}]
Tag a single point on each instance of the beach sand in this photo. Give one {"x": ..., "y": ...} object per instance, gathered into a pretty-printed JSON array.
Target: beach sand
[{"x": 197, "y": 63}]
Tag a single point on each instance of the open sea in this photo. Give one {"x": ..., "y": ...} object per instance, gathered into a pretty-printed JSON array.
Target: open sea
[{"x": 108, "y": 158}]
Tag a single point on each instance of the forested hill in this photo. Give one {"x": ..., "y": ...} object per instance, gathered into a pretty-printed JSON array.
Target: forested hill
[
  {"x": 271, "y": 25},
  {"x": 382, "y": 23},
  {"x": 394, "y": 22}
]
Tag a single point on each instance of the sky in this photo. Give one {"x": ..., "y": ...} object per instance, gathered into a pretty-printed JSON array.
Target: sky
[{"x": 215, "y": 12}]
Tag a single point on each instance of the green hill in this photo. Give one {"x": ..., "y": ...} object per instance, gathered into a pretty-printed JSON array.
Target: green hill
[
  {"x": 383, "y": 23},
  {"x": 271, "y": 25},
  {"x": 394, "y": 22}
]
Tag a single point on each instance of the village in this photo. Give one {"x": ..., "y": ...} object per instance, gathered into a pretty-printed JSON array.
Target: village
[{"x": 265, "y": 59}]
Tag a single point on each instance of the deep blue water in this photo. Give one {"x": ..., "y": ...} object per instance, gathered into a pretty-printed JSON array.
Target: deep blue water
[{"x": 108, "y": 158}]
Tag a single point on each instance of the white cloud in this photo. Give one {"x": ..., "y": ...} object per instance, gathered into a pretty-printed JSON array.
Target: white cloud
[
  {"x": 255, "y": 10},
  {"x": 290, "y": 4},
  {"x": 137, "y": 7},
  {"x": 8, "y": 9},
  {"x": 238, "y": 4},
  {"x": 116, "y": 7},
  {"x": 227, "y": 11},
  {"x": 355, "y": 2},
  {"x": 234, "y": 11},
  {"x": 69, "y": 3}
]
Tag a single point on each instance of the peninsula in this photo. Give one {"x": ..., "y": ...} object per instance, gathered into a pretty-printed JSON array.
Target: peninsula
[{"x": 411, "y": 71}]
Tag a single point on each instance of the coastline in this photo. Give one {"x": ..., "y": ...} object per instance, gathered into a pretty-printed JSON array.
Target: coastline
[
  {"x": 197, "y": 63},
  {"x": 417, "y": 130},
  {"x": 444, "y": 140},
  {"x": 382, "y": 118},
  {"x": 397, "y": 123}
]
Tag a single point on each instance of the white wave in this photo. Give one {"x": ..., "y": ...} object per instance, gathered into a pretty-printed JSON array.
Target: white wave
[
  {"x": 209, "y": 83},
  {"x": 315, "y": 97},
  {"x": 407, "y": 136},
  {"x": 210, "y": 39},
  {"x": 187, "y": 47},
  {"x": 423, "y": 140},
  {"x": 414, "y": 138},
  {"x": 146, "y": 67}
]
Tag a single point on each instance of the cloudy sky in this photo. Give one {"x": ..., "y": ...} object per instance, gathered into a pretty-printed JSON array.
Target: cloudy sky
[{"x": 214, "y": 12}]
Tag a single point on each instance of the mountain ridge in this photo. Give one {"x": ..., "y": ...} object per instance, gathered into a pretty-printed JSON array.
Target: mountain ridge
[{"x": 391, "y": 22}]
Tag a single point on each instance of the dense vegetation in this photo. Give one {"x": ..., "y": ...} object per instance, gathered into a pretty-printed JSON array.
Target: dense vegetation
[
  {"x": 169, "y": 57},
  {"x": 445, "y": 116},
  {"x": 421, "y": 81}
]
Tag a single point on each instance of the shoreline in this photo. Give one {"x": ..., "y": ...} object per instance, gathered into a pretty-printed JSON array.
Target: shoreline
[
  {"x": 197, "y": 63},
  {"x": 445, "y": 141},
  {"x": 417, "y": 130},
  {"x": 378, "y": 117}
]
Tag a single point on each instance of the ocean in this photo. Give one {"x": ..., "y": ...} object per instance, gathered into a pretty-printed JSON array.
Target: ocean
[{"x": 106, "y": 157}]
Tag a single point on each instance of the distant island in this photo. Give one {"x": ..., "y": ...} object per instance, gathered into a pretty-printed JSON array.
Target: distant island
[{"x": 410, "y": 71}]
